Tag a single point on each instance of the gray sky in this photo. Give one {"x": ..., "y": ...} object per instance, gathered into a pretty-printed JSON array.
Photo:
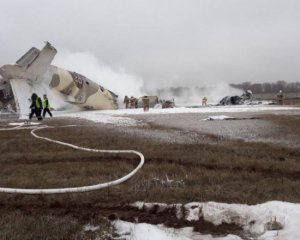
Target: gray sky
[{"x": 164, "y": 43}]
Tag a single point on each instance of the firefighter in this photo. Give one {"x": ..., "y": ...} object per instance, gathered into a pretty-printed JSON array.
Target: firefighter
[
  {"x": 280, "y": 97},
  {"x": 146, "y": 101},
  {"x": 46, "y": 106},
  {"x": 36, "y": 107},
  {"x": 126, "y": 102},
  {"x": 132, "y": 102},
  {"x": 204, "y": 101}
]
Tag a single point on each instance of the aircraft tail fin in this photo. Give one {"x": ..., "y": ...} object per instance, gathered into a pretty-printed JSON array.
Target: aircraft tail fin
[
  {"x": 37, "y": 61},
  {"x": 43, "y": 60},
  {"x": 27, "y": 59}
]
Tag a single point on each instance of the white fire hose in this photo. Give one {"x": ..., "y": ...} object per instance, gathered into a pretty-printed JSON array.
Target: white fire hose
[{"x": 83, "y": 188}]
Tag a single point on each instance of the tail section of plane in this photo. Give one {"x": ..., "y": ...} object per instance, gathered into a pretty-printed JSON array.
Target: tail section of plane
[
  {"x": 37, "y": 61},
  {"x": 42, "y": 61},
  {"x": 27, "y": 59},
  {"x": 26, "y": 76}
]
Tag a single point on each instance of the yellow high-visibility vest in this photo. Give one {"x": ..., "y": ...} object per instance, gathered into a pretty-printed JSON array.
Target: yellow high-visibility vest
[{"x": 45, "y": 105}]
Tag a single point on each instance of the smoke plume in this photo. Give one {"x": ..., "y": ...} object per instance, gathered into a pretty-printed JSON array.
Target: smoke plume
[{"x": 116, "y": 80}]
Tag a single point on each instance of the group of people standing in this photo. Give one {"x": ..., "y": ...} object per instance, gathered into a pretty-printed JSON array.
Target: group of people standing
[
  {"x": 131, "y": 102},
  {"x": 38, "y": 106}
]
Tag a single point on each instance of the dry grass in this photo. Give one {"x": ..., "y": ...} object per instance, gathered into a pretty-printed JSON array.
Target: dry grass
[
  {"x": 242, "y": 172},
  {"x": 229, "y": 171},
  {"x": 16, "y": 225}
]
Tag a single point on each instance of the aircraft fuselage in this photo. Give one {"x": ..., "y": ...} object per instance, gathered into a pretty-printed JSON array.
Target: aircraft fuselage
[{"x": 33, "y": 73}]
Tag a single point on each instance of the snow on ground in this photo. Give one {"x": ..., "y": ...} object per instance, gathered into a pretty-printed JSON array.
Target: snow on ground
[
  {"x": 273, "y": 220},
  {"x": 98, "y": 116},
  {"x": 144, "y": 231},
  {"x": 20, "y": 126},
  {"x": 211, "y": 109},
  {"x": 117, "y": 116},
  {"x": 23, "y": 123}
]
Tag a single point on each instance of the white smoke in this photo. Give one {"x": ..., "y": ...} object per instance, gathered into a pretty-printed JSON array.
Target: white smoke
[
  {"x": 216, "y": 92},
  {"x": 191, "y": 95},
  {"x": 115, "y": 80},
  {"x": 122, "y": 83}
]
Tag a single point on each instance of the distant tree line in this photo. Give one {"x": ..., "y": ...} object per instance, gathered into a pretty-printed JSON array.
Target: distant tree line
[{"x": 268, "y": 87}]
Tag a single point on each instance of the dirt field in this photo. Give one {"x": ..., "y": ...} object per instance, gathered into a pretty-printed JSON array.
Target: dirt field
[{"x": 185, "y": 161}]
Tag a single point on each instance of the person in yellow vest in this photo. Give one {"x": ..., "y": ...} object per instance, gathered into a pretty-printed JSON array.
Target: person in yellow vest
[
  {"x": 204, "y": 101},
  {"x": 36, "y": 107},
  {"x": 46, "y": 106},
  {"x": 280, "y": 97}
]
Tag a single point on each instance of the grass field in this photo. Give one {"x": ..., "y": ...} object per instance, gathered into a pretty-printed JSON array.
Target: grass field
[{"x": 221, "y": 170}]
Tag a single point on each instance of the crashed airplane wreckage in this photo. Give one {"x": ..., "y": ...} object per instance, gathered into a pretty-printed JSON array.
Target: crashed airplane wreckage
[
  {"x": 245, "y": 98},
  {"x": 33, "y": 73}
]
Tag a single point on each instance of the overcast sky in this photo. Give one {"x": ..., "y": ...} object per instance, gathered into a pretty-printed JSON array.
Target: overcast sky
[{"x": 163, "y": 43}]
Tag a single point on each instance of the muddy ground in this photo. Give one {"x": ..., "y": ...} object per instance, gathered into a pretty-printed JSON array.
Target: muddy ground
[{"x": 251, "y": 160}]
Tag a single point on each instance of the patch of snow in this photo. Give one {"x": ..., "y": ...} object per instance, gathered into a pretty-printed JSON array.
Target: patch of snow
[
  {"x": 139, "y": 205},
  {"x": 273, "y": 220},
  {"x": 158, "y": 106},
  {"x": 212, "y": 109},
  {"x": 253, "y": 219},
  {"x": 23, "y": 123},
  {"x": 98, "y": 116},
  {"x": 193, "y": 211},
  {"x": 116, "y": 117},
  {"x": 90, "y": 227},
  {"x": 144, "y": 231},
  {"x": 179, "y": 213}
]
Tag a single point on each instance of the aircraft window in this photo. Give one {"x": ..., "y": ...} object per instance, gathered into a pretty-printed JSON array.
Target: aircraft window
[{"x": 87, "y": 83}]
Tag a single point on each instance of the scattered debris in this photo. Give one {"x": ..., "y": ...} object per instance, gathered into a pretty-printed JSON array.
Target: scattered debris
[
  {"x": 218, "y": 117},
  {"x": 168, "y": 103},
  {"x": 224, "y": 117},
  {"x": 274, "y": 225},
  {"x": 165, "y": 104}
]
